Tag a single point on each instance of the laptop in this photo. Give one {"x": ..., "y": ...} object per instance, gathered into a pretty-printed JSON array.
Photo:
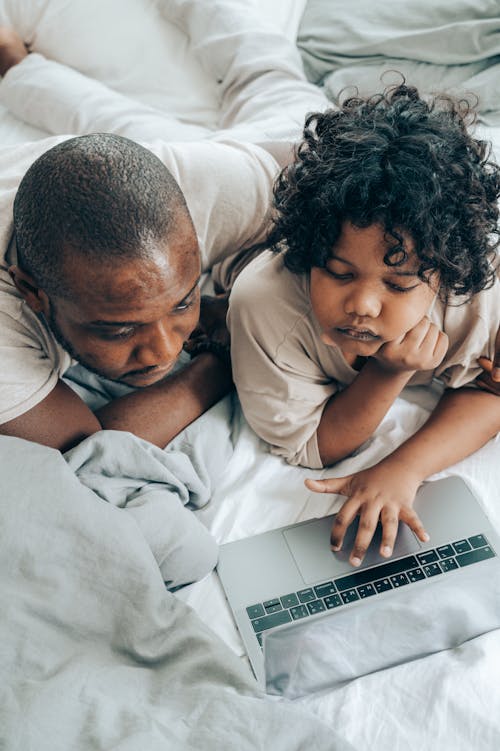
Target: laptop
[{"x": 310, "y": 621}]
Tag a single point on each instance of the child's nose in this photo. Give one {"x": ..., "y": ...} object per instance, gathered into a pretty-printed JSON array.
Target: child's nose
[{"x": 363, "y": 302}]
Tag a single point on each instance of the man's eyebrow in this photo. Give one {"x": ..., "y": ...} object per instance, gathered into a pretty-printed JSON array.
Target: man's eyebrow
[
  {"x": 118, "y": 324},
  {"x": 390, "y": 269}
]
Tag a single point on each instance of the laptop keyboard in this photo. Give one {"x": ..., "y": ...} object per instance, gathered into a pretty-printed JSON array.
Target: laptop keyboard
[{"x": 367, "y": 583}]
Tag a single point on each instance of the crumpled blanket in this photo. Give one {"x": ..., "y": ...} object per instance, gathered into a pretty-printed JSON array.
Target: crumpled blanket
[
  {"x": 156, "y": 488},
  {"x": 436, "y": 44},
  {"x": 95, "y": 653}
]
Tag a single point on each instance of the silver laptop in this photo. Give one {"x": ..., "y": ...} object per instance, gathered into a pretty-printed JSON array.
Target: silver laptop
[{"x": 310, "y": 621}]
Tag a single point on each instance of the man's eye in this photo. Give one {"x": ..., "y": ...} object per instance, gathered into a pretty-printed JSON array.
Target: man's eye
[
  {"x": 187, "y": 303},
  {"x": 117, "y": 334}
]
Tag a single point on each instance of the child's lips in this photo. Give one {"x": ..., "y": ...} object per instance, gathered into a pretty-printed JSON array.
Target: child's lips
[{"x": 364, "y": 335}]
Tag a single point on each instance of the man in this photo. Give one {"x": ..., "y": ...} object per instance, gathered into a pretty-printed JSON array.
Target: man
[{"x": 103, "y": 270}]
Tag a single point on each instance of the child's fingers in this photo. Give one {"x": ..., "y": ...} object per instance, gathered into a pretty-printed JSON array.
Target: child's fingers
[
  {"x": 367, "y": 525},
  {"x": 411, "y": 518},
  {"x": 485, "y": 364},
  {"x": 328, "y": 485},
  {"x": 495, "y": 373},
  {"x": 342, "y": 520},
  {"x": 390, "y": 524},
  {"x": 418, "y": 333}
]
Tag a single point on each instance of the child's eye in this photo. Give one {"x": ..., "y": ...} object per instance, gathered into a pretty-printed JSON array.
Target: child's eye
[
  {"x": 397, "y": 288},
  {"x": 341, "y": 277}
]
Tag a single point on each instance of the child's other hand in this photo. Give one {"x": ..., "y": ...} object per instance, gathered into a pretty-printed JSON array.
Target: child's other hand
[
  {"x": 489, "y": 379},
  {"x": 422, "y": 348},
  {"x": 383, "y": 492}
]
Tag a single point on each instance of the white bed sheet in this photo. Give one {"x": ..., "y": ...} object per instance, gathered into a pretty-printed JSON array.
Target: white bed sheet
[{"x": 449, "y": 700}]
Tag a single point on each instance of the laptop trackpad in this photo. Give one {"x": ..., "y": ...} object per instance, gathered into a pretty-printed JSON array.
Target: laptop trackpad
[{"x": 309, "y": 544}]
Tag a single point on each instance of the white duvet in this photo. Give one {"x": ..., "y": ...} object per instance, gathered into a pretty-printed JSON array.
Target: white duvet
[{"x": 154, "y": 77}]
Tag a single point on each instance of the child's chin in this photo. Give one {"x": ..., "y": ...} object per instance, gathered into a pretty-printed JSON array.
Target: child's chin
[{"x": 363, "y": 349}]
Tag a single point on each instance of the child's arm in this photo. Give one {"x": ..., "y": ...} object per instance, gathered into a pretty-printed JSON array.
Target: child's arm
[
  {"x": 351, "y": 416},
  {"x": 463, "y": 421}
]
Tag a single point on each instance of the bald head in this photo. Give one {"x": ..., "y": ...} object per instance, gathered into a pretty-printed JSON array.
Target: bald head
[{"x": 102, "y": 196}]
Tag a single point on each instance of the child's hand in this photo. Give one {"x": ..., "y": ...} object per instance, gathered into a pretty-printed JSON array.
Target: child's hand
[
  {"x": 422, "y": 348},
  {"x": 383, "y": 491},
  {"x": 489, "y": 379}
]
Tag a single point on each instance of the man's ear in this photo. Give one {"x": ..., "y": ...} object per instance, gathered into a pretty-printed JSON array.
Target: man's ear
[{"x": 35, "y": 297}]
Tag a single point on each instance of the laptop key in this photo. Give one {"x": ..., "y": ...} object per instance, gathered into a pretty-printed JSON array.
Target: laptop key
[
  {"x": 478, "y": 541},
  {"x": 350, "y": 595},
  {"x": 382, "y": 585},
  {"x": 415, "y": 575},
  {"x": 316, "y": 606},
  {"x": 432, "y": 569},
  {"x": 366, "y": 590},
  {"x": 428, "y": 556},
  {"x": 272, "y": 606},
  {"x": 288, "y": 601},
  {"x": 445, "y": 551},
  {"x": 255, "y": 611},
  {"x": 399, "y": 580},
  {"x": 306, "y": 595},
  {"x": 474, "y": 556},
  {"x": 299, "y": 612},
  {"x": 449, "y": 564},
  {"x": 322, "y": 590},
  {"x": 461, "y": 546},
  {"x": 332, "y": 601},
  {"x": 270, "y": 621}
]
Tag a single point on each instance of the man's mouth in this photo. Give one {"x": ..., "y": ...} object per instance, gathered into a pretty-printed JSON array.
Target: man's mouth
[{"x": 150, "y": 374}]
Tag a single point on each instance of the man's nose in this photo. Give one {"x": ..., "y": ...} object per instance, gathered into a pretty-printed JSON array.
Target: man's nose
[
  {"x": 363, "y": 301},
  {"x": 161, "y": 346}
]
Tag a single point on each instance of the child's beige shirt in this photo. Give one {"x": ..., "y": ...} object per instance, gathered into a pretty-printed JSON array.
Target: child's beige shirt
[{"x": 285, "y": 374}]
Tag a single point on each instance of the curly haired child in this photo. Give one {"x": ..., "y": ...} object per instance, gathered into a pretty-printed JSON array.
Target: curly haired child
[{"x": 382, "y": 276}]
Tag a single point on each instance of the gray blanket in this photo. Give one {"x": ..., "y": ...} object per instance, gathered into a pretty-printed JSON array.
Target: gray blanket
[
  {"x": 95, "y": 653},
  {"x": 438, "y": 45}
]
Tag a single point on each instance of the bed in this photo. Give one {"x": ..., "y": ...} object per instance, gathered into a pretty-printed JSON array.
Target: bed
[{"x": 95, "y": 653}]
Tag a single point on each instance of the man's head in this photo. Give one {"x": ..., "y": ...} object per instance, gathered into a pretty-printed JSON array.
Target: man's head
[{"x": 107, "y": 252}]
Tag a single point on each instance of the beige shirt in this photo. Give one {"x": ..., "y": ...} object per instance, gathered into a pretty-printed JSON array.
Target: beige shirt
[
  {"x": 228, "y": 190},
  {"x": 285, "y": 374}
]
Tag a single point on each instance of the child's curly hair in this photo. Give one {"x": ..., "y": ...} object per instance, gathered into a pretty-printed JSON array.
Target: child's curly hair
[{"x": 401, "y": 162}]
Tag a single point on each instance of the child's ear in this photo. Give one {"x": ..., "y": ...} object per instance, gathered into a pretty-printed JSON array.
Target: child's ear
[{"x": 27, "y": 287}]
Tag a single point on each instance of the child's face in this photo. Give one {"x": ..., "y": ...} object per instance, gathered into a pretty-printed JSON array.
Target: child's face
[{"x": 360, "y": 302}]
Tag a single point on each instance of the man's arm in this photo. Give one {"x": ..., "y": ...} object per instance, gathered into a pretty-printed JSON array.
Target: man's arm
[{"x": 156, "y": 413}]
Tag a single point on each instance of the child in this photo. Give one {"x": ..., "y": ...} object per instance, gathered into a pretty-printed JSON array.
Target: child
[{"x": 382, "y": 275}]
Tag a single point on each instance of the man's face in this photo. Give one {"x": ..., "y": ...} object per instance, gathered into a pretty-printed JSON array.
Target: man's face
[{"x": 128, "y": 320}]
